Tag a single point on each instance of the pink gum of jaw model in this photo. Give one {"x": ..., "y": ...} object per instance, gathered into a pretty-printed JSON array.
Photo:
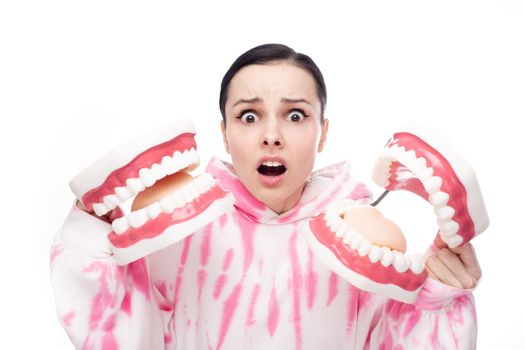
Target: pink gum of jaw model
[
  {"x": 420, "y": 161},
  {"x": 138, "y": 164}
]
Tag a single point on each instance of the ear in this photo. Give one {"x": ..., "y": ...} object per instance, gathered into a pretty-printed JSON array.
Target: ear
[
  {"x": 224, "y": 139},
  {"x": 322, "y": 140}
]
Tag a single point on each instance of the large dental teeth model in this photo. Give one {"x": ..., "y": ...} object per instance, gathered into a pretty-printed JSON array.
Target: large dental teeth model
[
  {"x": 420, "y": 161},
  {"x": 137, "y": 165}
]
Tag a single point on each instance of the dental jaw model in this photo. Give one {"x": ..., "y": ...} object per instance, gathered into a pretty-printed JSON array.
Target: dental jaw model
[
  {"x": 347, "y": 236},
  {"x": 170, "y": 203}
]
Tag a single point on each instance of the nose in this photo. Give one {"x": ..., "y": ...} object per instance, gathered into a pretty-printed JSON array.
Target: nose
[
  {"x": 270, "y": 142},
  {"x": 272, "y": 136}
]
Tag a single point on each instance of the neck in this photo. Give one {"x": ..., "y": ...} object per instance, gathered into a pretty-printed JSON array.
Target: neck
[{"x": 282, "y": 206}]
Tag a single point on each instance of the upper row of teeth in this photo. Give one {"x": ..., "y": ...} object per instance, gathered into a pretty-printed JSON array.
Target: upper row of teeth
[
  {"x": 364, "y": 247},
  {"x": 147, "y": 177},
  {"x": 439, "y": 199},
  {"x": 271, "y": 163},
  {"x": 167, "y": 204}
]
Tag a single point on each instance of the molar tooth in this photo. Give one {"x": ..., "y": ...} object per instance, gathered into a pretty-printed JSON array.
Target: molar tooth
[
  {"x": 349, "y": 236},
  {"x": 416, "y": 265},
  {"x": 192, "y": 190},
  {"x": 356, "y": 242},
  {"x": 453, "y": 241},
  {"x": 137, "y": 218},
  {"x": 400, "y": 262},
  {"x": 168, "y": 165},
  {"x": 446, "y": 213},
  {"x": 342, "y": 230},
  {"x": 147, "y": 177},
  {"x": 439, "y": 199},
  {"x": 421, "y": 163},
  {"x": 425, "y": 173},
  {"x": 180, "y": 162},
  {"x": 433, "y": 184},
  {"x": 111, "y": 201},
  {"x": 448, "y": 228},
  {"x": 201, "y": 186},
  {"x": 178, "y": 202},
  {"x": 194, "y": 155},
  {"x": 410, "y": 155},
  {"x": 387, "y": 258},
  {"x": 185, "y": 195},
  {"x": 375, "y": 254},
  {"x": 421, "y": 170},
  {"x": 167, "y": 204},
  {"x": 156, "y": 170},
  {"x": 135, "y": 185},
  {"x": 123, "y": 193},
  {"x": 153, "y": 210},
  {"x": 100, "y": 208},
  {"x": 364, "y": 247},
  {"x": 120, "y": 225},
  {"x": 336, "y": 226}
]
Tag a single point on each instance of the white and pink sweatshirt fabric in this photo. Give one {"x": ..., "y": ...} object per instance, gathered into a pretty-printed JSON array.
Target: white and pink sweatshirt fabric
[{"x": 247, "y": 280}]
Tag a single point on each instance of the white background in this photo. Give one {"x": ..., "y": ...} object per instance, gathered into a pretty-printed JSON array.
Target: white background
[{"x": 78, "y": 78}]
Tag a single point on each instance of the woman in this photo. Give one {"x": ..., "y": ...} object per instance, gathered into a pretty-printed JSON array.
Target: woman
[{"x": 248, "y": 280}]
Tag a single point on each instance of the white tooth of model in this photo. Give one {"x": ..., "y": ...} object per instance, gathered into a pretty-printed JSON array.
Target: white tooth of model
[
  {"x": 111, "y": 201},
  {"x": 100, "y": 208},
  {"x": 157, "y": 171},
  {"x": 153, "y": 210},
  {"x": 123, "y": 193},
  {"x": 135, "y": 185},
  {"x": 147, "y": 177},
  {"x": 433, "y": 184},
  {"x": 137, "y": 218},
  {"x": 120, "y": 225},
  {"x": 167, "y": 204},
  {"x": 168, "y": 165},
  {"x": 439, "y": 199},
  {"x": 376, "y": 253},
  {"x": 387, "y": 258}
]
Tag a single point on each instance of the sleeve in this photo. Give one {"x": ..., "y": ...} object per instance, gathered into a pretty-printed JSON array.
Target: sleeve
[
  {"x": 99, "y": 304},
  {"x": 442, "y": 317}
]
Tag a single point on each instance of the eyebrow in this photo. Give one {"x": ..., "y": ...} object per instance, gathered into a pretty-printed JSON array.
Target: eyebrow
[{"x": 258, "y": 100}]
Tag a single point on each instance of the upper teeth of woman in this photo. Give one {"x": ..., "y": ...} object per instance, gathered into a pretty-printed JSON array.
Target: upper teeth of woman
[{"x": 270, "y": 163}]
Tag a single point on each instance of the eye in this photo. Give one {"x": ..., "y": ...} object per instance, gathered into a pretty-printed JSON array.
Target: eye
[
  {"x": 296, "y": 115},
  {"x": 248, "y": 117}
]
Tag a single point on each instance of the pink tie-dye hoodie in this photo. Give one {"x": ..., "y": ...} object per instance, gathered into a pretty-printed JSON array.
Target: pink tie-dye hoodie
[{"x": 245, "y": 281}]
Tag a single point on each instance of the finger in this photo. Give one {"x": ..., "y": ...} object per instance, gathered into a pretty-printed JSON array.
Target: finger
[
  {"x": 443, "y": 274},
  {"x": 431, "y": 274},
  {"x": 456, "y": 266},
  {"x": 467, "y": 254}
]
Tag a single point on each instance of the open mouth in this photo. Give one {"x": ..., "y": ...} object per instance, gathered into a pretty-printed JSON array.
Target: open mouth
[
  {"x": 270, "y": 168},
  {"x": 419, "y": 161},
  {"x": 138, "y": 164}
]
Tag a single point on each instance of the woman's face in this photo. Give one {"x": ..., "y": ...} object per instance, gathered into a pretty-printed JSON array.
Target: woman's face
[{"x": 273, "y": 131}]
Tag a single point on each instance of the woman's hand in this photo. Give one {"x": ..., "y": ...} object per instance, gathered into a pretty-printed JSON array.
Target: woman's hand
[{"x": 456, "y": 267}]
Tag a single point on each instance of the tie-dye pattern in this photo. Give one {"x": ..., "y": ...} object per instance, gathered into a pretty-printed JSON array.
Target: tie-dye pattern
[{"x": 245, "y": 281}]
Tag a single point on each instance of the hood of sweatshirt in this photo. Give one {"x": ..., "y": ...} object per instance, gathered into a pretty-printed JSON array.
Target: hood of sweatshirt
[{"x": 324, "y": 185}]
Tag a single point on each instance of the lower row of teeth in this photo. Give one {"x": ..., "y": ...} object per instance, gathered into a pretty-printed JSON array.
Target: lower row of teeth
[
  {"x": 177, "y": 199},
  {"x": 364, "y": 247},
  {"x": 439, "y": 199},
  {"x": 147, "y": 177}
]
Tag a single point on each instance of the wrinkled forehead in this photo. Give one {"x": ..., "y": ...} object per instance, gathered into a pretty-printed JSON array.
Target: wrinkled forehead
[{"x": 271, "y": 83}]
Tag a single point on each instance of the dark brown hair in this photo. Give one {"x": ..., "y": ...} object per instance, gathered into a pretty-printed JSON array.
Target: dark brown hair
[{"x": 269, "y": 53}]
